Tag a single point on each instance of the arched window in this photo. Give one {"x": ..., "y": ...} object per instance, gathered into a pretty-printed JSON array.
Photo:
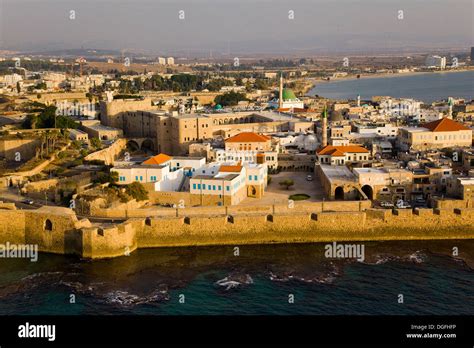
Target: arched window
[
  {"x": 48, "y": 225},
  {"x": 148, "y": 221}
]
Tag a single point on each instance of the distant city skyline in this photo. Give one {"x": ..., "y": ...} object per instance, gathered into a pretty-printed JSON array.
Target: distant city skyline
[{"x": 236, "y": 27}]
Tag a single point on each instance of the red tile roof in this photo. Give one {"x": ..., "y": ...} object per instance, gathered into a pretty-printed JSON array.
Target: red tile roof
[
  {"x": 230, "y": 169},
  {"x": 445, "y": 125},
  {"x": 248, "y": 137},
  {"x": 158, "y": 159},
  {"x": 341, "y": 150}
]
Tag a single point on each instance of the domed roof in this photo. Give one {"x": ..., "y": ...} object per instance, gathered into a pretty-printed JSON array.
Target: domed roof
[
  {"x": 218, "y": 107},
  {"x": 335, "y": 116},
  {"x": 288, "y": 94}
]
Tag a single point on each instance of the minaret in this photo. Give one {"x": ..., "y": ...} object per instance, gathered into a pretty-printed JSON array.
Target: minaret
[
  {"x": 324, "y": 128},
  {"x": 450, "y": 108},
  {"x": 280, "y": 95},
  {"x": 358, "y": 100}
]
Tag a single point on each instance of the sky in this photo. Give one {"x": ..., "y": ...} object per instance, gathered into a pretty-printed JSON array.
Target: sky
[{"x": 231, "y": 26}]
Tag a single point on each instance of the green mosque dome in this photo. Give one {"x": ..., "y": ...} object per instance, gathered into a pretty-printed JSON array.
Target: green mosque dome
[
  {"x": 288, "y": 94},
  {"x": 218, "y": 107}
]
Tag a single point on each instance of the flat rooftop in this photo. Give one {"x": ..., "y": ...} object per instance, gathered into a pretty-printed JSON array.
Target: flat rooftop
[
  {"x": 415, "y": 129},
  {"x": 100, "y": 127},
  {"x": 340, "y": 173},
  {"x": 221, "y": 177},
  {"x": 370, "y": 170}
]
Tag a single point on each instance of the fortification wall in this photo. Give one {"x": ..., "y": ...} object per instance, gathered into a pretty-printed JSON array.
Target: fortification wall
[
  {"x": 57, "y": 230},
  {"x": 295, "y": 207},
  {"x": 109, "y": 153},
  {"x": 26, "y": 148},
  {"x": 453, "y": 203},
  {"x": 112, "y": 241},
  {"x": 303, "y": 227},
  {"x": 53, "y": 229},
  {"x": 12, "y": 226}
]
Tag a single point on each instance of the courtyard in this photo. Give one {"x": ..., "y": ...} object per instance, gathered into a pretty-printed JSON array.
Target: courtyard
[{"x": 277, "y": 194}]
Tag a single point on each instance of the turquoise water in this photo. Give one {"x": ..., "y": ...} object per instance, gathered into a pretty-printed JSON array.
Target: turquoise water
[
  {"x": 425, "y": 87},
  {"x": 152, "y": 281}
]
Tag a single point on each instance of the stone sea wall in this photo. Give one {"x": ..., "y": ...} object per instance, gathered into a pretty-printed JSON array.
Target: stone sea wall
[{"x": 58, "y": 230}]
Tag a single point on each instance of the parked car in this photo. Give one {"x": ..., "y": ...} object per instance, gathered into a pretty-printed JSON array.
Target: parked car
[
  {"x": 401, "y": 204},
  {"x": 309, "y": 177},
  {"x": 386, "y": 204},
  {"x": 27, "y": 201}
]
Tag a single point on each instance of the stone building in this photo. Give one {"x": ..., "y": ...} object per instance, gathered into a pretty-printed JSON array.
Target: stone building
[
  {"x": 341, "y": 155},
  {"x": 439, "y": 134}
]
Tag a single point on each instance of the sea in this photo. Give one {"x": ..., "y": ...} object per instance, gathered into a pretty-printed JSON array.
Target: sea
[
  {"x": 426, "y": 87},
  {"x": 295, "y": 279}
]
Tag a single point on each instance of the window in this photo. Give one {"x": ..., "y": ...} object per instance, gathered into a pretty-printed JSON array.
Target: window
[
  {"x": 136, "y": 178},
  {"x": 255, "y": 177},
  {"x": 48, "y": 225},
  {"x": 199, "y": 186},
  {"x": 250, "y": 177},
  {"x": 220, "y": 187},
  {"x": 213, "y": 187},
  {"x": 208, "y": 187},
  {"x": 227, "y": 188},
  {"x": 141, "y": 178},
  {"x": 194, "y": 186}
]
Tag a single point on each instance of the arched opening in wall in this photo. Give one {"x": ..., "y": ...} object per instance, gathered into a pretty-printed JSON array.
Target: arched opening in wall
[
  {"x": 148, "y": 221},
  {"x": 48, "y": 225},
  {"x": 105, "y": 137},
  {"x": 251, "y": 191},
  {"x": 132, "y": 145},
  {"x": 369, "y": 192},
  {"x": 226, "y": 121},
  {"x": 148, "y": 145},
  {"x": 339, "y": 193}
]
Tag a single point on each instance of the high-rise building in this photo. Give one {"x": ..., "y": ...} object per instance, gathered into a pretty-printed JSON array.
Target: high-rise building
[
  {"x": 170, "y": 61},
  {"x": 435, "y": 62},
  {"x": 472, "y": 55}
]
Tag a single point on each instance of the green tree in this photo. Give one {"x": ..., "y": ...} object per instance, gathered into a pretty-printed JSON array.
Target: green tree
[
  {"x": 287, "y": 183},
  {"x": 137, "y": 191},
  {"x": 261, "y": 84},
  {"x": 230, "y": 98},
  {"x": 96, "y": 143},
  {"x": 103, "y": 178}
]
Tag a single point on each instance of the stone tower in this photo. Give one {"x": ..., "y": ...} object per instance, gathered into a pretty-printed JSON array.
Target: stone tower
[{"x": 324, "y": 127}]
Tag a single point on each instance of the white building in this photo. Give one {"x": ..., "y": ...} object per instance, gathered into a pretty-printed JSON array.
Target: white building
[
  {"x": 435, "y": 62},
  {"x": 384, "y": 131},
  {"x": 170, "y": 61},
  {"x": 11, "y": 80},
  {"x": 168, "y": 173}
]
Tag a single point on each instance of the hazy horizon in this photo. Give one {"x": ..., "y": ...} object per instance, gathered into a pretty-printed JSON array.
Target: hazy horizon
[{"x": 231, "y": 27}]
